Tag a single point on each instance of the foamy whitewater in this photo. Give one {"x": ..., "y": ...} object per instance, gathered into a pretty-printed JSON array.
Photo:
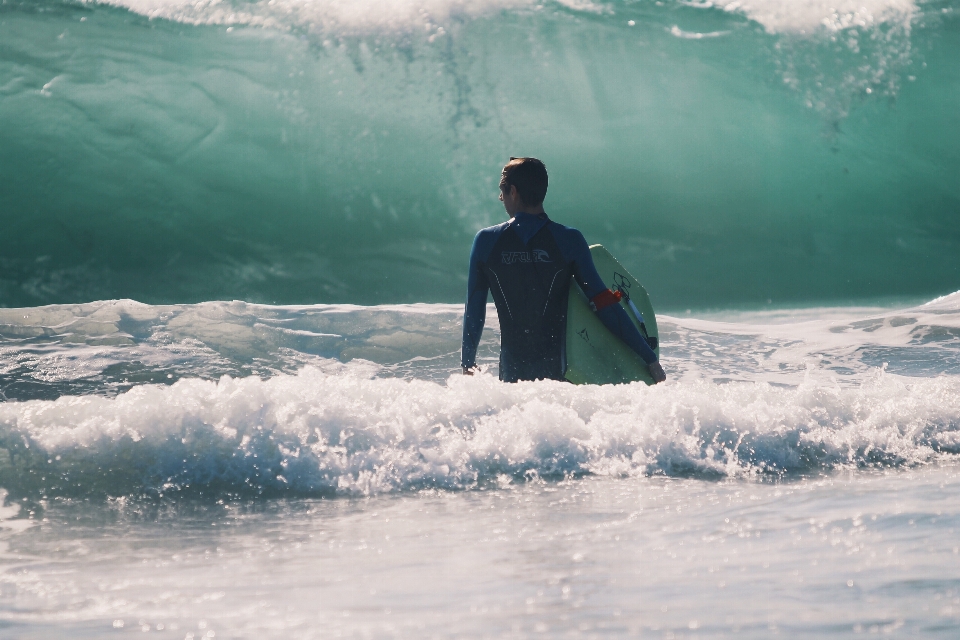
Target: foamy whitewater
[
  {"x": 326, "y": 471},
  {"x": 234, "y": 400},
  {"x": 309, "y": 462}
]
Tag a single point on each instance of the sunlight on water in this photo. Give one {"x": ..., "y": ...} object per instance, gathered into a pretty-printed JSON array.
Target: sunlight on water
[
  {"x": 341, "y": 399},
  {"x": 230, "y": 397},
  {"x": 826, "y": 557}
]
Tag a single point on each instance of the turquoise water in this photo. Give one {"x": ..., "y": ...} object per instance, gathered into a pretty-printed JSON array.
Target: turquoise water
[
  {"x": 300, "y": 152},
  {"x": 233, "y": 239}
]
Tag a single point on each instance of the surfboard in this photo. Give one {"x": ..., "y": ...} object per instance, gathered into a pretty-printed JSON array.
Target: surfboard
[{"x": 594, "y": 355}]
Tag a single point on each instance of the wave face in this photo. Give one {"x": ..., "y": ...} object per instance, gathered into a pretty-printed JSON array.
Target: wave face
[
  {"x": 303, "y": 151},
  {"x": 232, "y": 399}
]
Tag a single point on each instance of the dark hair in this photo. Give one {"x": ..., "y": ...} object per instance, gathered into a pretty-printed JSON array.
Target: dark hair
[{"x": 529, "y": 176}]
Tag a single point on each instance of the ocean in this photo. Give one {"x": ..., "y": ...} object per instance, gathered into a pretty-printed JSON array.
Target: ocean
[{"x": 233, "y": 246}]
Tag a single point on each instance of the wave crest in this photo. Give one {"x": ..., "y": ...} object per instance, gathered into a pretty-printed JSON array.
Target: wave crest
[{"x": 776, "y": 16}]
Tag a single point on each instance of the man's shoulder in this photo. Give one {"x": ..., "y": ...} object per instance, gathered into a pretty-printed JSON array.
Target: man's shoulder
[
  {"x": 562, "y": 227},
  {"x": 562, "y": 231},
  {"x": 486, "y": 237},
  {"x": 495, "y": 230},
  {"x": 485, "y": 240}
]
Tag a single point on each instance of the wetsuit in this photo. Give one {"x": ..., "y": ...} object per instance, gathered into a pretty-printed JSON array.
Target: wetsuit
[{"x": 526, "y": 263}]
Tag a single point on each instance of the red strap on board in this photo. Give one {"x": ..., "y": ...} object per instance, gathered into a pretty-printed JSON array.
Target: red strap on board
[{"x": 605, "y": 298}]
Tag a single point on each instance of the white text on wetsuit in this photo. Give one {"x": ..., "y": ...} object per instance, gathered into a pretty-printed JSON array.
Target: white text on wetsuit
[{"x": 537, "y": 255}]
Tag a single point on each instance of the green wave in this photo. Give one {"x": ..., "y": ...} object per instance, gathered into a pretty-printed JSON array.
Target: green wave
[{"x": 730, "y": 159}]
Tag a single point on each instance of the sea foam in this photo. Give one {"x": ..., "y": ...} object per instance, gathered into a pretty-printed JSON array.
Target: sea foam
[
  {"x": 324, "y": 15},
  {"x": 789, "y": 16},
  {"x": 776, "y": 16},
  {"x": 118, "y": 398},
  {"x": 344, "y": 430}
]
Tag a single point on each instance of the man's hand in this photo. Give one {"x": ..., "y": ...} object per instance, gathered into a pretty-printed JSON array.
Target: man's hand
[
  {"x": 469, "y": 371},
  {"x": 656, "y": 371}
]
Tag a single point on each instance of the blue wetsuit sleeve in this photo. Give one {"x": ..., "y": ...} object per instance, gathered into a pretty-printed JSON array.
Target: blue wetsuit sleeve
[
  {"x": 475, "y": 312},
  {"x": 613, "y": 317},
  {"x": 617, "y": 320}
]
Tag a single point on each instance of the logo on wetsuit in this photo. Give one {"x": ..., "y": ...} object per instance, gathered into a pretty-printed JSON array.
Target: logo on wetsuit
[{"x": 537, "y": 255}]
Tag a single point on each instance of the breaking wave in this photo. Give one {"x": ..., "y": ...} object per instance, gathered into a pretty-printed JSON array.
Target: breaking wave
[
  {"x": 120, "y": 398},
  {"x": 303, "y": 151}
]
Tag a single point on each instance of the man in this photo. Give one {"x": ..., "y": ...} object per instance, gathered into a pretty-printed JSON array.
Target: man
[{"x": 526, "y": 263}]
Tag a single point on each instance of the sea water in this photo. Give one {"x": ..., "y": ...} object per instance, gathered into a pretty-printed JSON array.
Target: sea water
[
  {"x": 326, "y": 471},
  {"x": 733, "y": 154},
  {"x": 307, "y": 461}
]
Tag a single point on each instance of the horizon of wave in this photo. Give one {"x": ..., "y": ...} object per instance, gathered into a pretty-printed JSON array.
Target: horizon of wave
[
  {"x": 776, "y": 16},
  {"x": 344, "y": 431}
]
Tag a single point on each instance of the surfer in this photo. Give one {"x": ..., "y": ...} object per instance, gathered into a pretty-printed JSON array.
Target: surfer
[{"x": 526, "y": 263}]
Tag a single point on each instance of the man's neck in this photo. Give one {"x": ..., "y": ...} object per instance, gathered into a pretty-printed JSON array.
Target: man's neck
[
  {"x": 537, "y": 211},
  {"x": 528, "y": 224}
]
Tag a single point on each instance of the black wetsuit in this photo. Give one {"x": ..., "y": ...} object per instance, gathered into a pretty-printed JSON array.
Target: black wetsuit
[{"x": 526, "y": 263}]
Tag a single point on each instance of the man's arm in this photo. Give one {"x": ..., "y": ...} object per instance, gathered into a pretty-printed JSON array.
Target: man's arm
[
  {"x": 475, "y": 312},
  {"x": 613, "y": 316}
]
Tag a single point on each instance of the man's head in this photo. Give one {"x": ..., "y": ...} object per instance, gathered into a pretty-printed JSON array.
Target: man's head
[{"x": 523, "y": 185}]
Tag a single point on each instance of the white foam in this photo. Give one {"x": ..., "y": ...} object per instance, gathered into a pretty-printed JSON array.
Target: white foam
[
  {"x": 807, "y": 16},
  {"x": 677, "y": 32},
  {"x": 344, "y": 430},
  {"x": 11, "y": 519},
  {"x": 777, "y": 16},
  {"x": 784, "y": 391},
  {"x": 949, "y": 303},
  {"x": 327, "y": 15},
  {"x": 783, "y": 346}
]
